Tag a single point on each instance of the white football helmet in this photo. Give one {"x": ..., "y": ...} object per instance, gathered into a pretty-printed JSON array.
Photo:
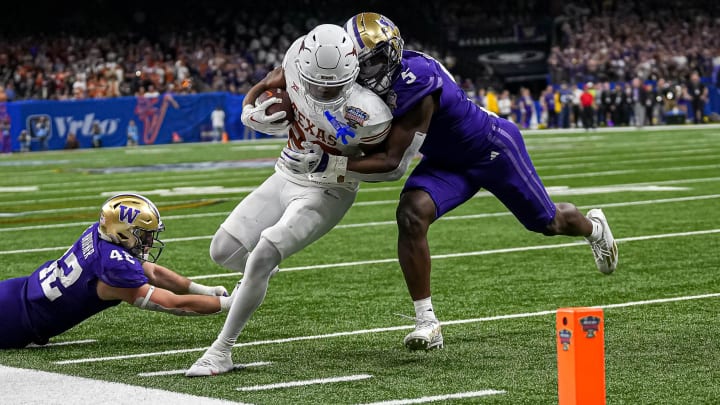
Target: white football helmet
[
  {"x": 328, "y": 66},
  {"x": 379, "y": 46},
  {"x": 133, "y": 222}
]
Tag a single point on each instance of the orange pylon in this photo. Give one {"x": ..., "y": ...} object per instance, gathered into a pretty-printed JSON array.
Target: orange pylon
[{"x": 580, "y": 334}]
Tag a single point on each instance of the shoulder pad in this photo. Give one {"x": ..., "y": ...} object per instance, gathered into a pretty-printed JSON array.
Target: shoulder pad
[{"x": 365, "y": 108}]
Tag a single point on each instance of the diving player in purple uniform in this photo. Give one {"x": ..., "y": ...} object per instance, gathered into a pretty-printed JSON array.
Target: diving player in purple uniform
[
  {"x": 113, "y": 261},
  {"x": 465, "y": 148}
]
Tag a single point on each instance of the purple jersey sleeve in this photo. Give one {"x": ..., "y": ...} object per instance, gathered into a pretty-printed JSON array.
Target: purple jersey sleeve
[
  {"x": 418, "y": 78},
  {"x": 119, "y": 268},
  {"x": 459, "y": 128}
]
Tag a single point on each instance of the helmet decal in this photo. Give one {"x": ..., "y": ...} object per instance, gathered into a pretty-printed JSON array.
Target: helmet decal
[{"x": 128, "y": 214}]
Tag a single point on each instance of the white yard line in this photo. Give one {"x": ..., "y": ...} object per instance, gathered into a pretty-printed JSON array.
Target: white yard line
[
  {"x": 175, "y": 372},
  {"x": 182, "y": 188},
  {"x": 475, "y": 253},
  {"x": 552, "y": 190},
  {"x": 393, "y": 260},
  {"x": 368, "y": 203},
  {"x": 459, "y": 395},
  {"x": 379, "y": 330},
  {"x": 290, "y": 384},
  {"x": 68, "y": 343}
]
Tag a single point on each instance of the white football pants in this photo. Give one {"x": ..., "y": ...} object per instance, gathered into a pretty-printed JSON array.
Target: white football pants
[{"x": 288, "y": 215}]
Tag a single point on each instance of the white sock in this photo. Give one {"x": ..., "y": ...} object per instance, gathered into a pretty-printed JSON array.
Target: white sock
[
  {"x": 424, "y": 308},
  {"x": 223, "y": 345},
  {"x": 596, "y": 231}
]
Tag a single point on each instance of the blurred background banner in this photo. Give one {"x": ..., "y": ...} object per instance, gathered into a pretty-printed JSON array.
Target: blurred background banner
[{"x": 157, "y": 118}]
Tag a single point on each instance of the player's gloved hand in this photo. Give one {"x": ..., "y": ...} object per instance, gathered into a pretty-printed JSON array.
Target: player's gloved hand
[
  {"x": 304, "y": 161},
  {"x": 331, "y": 171},
  {"x": 256, "y": 118},
  {"x": 200, "y": 289},
  {"x": 319, "y": 165}
]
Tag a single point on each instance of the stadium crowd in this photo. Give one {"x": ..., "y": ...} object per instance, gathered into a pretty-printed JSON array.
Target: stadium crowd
[{"x": 602, "y": 45}]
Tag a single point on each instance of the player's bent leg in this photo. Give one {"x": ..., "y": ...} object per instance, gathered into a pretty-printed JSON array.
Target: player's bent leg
[
  {"x": 15, "y": 334},
  {"x": 241, "y": 230},
  {"x": 261, "y": 265},
  {"x": 568, "y": 221},
  {"x": 415, "y": 212},
  {"x": 594, "y": 227},
  {"x": 227, "y": 251}
]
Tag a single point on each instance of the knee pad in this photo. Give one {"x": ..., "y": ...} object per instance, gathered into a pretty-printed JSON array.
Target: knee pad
[
  {"x": 262, "y": 262},
  {"x": 228, "y": 252}
]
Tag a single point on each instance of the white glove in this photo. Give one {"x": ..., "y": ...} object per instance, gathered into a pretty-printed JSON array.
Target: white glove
[
  {"x": 332, "y": 172},
  {"x": 256, "y": 118},
  {"x": 316, "y": 163},
  {"x": 200, "y": 289},
  {"x": 304, "y": 161}
]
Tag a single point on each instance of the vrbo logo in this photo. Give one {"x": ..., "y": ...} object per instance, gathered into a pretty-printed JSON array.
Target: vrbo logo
[{"x": 66, "y": 125}]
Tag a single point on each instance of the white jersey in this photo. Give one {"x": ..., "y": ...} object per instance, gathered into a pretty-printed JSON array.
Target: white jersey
[{"x": 364, "y": 112}]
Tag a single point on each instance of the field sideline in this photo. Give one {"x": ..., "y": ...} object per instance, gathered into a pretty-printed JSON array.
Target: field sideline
[{"x": 328, "y": 331}]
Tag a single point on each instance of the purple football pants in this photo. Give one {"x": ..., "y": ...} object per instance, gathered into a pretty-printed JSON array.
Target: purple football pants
[
  {"x": 14, "y": 332},
  {"x": 503, "y": 167}
]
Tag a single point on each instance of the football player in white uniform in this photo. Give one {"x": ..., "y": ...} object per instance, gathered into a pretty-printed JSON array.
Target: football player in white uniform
[{"x": 305, "y": 197}]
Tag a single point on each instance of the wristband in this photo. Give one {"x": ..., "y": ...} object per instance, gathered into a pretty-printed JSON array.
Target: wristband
[{"x": 225, "y": 303}]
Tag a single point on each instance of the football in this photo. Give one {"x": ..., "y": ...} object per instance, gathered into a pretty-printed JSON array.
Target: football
[{"x": 285, "y": 105}]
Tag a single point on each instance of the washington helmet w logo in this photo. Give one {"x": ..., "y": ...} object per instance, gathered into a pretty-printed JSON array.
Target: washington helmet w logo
[{"x": 128, "y": 214}]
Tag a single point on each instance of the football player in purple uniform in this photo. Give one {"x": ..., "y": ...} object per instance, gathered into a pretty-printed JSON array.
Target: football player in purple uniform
[
  {"x": 464, "y": 148},
  {"x": 112, "y": 261}
]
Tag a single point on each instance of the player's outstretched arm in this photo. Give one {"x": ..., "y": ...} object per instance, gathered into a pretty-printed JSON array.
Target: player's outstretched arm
[
  {"x": 158, "y": 299},
  {"x": 161, "y": 276},
  {"x": 405, "y": 139}
]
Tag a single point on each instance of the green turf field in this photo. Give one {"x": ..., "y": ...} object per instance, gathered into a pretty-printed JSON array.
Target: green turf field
[{"x": 331, "y": 314}]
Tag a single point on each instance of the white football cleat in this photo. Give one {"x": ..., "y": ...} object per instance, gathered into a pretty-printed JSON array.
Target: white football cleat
[
  {"x": 604, "y": 249},
  {"x": 211, "y": 363},
  {"x": 426, "y": 336}
]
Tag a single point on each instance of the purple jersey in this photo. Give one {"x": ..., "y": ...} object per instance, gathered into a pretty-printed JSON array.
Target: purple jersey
[
  {"x": 467, "y": 148},
  {"x": 459, "y": 128},
  {"x": 62, "y": 293}
]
